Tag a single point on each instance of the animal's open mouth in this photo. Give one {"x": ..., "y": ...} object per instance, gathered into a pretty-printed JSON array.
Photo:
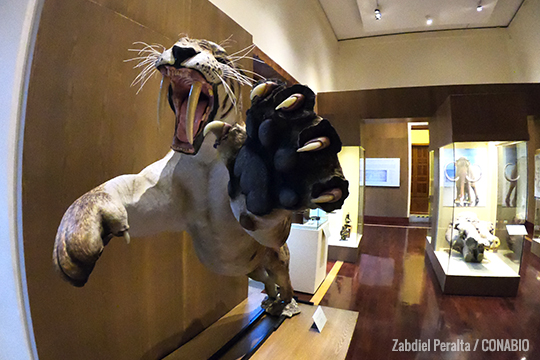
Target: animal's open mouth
[{"x": 193, "y": 100}]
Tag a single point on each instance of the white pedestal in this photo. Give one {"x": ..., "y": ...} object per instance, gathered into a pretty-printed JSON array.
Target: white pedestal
[
  {"x": 309, "y": 253},
  {"x": 535, "y": 247},
  {"x": 344, "y": 250}
]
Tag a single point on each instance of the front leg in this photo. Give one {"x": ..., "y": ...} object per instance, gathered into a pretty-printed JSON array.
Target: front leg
[
  {"x": 285, "y": 160},
  {"x": 102, "y": 213}
]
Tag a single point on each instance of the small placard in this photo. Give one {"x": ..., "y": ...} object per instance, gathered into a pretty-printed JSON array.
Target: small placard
[
  {"x": 319, "y": 318},
  {"x": 516, "y": 230}
]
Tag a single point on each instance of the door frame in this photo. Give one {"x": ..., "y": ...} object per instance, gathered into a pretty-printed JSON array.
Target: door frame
[{"x": 410, "y": 126}]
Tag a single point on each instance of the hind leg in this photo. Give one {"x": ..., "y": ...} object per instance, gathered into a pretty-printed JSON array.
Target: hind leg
[
  {"x": 277, "y": 267},
  {"x": 274, "y": 274},
  {"x": 260, "y": 274}
]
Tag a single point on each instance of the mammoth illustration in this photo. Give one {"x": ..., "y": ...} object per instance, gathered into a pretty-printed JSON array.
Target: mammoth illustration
[
  {"x": 464, "y": 181},
  {"x": 512, "y": 179}
]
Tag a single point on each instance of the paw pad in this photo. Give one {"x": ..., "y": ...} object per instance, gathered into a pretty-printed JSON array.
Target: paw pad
[{"x": 289, "y": 159}]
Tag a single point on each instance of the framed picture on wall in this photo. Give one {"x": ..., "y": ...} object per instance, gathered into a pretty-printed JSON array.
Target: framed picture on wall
[{"x": 382, "y": 172}]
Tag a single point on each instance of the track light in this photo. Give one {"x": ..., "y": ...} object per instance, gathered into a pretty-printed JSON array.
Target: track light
[
  {"x": 479, "y": 8},
  {"x": 378, "y": 15},
  {"x": 429, "y": 20}
]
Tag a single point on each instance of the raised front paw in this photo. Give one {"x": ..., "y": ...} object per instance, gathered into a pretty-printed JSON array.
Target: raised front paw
[
  {"x": 289, "y": 159},
  {"x": 86, "y": 227}
]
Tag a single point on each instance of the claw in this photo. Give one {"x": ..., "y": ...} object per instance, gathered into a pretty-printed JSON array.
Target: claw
[
  {"x": 261, "y": 90},
  {"x": 315, "y": 144},
  {"x": 323, "y": 199},
  {"x": 291, "y": 103},
  {"x": 215, "y": 126},
  {"x": 127, "y": 237},
  {"x": 328, "y": 197}
]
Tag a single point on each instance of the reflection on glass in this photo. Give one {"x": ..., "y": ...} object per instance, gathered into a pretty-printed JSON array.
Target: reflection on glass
[
  {"x": 431, "y": 192},
  {"x": 361, "y": 189}
]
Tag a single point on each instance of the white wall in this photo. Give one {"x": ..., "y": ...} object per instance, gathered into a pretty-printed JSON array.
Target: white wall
[
  {"x": 295, "y": 34},
  {"x": 17, "y": 31},
  {"x": 524, "y": 45},
  {"x": 422, "y": 59}
]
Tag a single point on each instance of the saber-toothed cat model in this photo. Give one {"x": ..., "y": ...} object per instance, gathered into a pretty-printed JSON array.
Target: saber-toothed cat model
[{"x": 232, "y": 191}]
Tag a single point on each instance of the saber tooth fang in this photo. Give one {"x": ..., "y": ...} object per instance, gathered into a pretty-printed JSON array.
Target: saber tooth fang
[{"x": 193, "y": 100}]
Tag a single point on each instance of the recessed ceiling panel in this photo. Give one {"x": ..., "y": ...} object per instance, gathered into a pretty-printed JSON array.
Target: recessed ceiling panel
[
  {"x": 356, "y": 18},
  {"x": 411, "y": 15}
]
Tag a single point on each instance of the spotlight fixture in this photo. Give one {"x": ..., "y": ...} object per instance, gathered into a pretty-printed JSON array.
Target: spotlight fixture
[
  {"x": 378, "y": 15},
  {"x": 429, "y": 20},
  {"x": 479, "y": 8}
]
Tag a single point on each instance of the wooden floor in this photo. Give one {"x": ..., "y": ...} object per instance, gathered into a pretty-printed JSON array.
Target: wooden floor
[{"x": 397, "y": 296}]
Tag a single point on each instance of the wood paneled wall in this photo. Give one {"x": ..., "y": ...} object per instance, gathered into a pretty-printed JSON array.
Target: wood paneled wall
[
  {"x": 479, "y": 117},
  {"x": 387, "y": 140},
  {"x": 347, "y": 108},
  {"x": 85, "y": 125}
]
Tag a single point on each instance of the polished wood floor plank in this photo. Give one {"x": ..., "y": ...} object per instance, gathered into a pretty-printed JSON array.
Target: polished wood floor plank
[{"x": 397, "y": 296}]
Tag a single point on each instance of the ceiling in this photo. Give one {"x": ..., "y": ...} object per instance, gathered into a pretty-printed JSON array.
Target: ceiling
[{"x": 351, "y": 19}]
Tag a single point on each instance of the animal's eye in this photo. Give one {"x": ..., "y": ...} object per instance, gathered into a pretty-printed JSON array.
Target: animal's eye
[
  {"x": 205, "y": 45},
  {"x": 223, "y": 60}
]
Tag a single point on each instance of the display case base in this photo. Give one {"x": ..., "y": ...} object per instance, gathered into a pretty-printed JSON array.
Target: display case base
[
  {"x": 344, "y": 250},
  {"x": 466, "y": 280},
  {"x": 535, "y": 246}
]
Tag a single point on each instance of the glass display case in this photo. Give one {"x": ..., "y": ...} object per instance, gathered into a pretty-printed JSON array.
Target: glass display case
[
  {"x": 346, "y": 225},
  {"x": 309, "y": 219},
  {"x": 478, "y": 197},
  {"x": 361, "y": 191},
  {"x": 535, "y": 245},
  {"x": 431, "y": 189}
]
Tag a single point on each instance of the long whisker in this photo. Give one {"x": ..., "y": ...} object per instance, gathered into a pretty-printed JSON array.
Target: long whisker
[
  {"x": 145, "y": 62},
  {"x": 228, "y": 90},
  {"x": 140, "y": 78},
  {"x": 241, "y": 78},
  {"x": 247, "y": 49},
  {"x": 226, "y": 42},
  {"x": 148, "y": 78},
  {"x": 238, "y": 58},
  {"x": 253, "y": 73}
]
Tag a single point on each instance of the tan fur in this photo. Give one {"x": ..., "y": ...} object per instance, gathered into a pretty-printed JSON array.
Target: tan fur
[{"x": 177, "y": 193}]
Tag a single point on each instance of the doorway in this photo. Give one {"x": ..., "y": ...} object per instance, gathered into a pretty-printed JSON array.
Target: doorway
[{"x": 420, "y": 179}]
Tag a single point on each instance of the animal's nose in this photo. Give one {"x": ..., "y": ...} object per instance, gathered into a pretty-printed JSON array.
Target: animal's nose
[{"x": 181, "y": 54}]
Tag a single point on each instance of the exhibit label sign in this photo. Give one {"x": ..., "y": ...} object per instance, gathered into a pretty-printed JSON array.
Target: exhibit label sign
[{"x": 319, "y": 318}]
